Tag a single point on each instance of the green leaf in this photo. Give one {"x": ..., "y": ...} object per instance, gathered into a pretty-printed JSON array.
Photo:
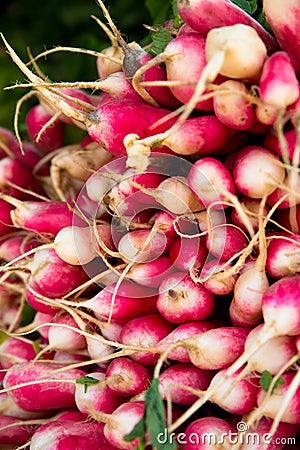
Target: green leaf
[
  {"x": 36, "y": 347},
  {"x": 160, "y": 40},
  {"x": 261, "y": 18},
  {"x": 3, "y": 336},
  {"x": 87, "y": 381},
  {"x": 138, "y": 431},
  {"x": 27, "y": 314},
  {"x": 266, "y": 380},
  {"x": 153, "y": 421},
  {"x": 249, "y": 6}
]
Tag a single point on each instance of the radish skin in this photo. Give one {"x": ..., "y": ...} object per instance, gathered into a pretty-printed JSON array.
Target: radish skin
[
  {"x": 286, "y": 35},
  {"x": 45, "y": 395},
  {"x": 205, "y": 354},
  {"x": 203, "y": 15},
  {"x": 278, "y": 84},
  {"x": 181, "y": 300}
]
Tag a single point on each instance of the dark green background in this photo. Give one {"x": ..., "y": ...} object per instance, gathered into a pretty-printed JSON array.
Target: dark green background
[{"x": 43, "y": 24}]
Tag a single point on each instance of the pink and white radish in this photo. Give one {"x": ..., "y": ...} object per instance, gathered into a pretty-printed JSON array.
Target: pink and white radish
[
  {"x": 126, "y": 377},
  {"x": 143, "y": 332},
  {"x": 181, "y": 300},
  {"x": 32, "y": 389},
  {"x": 204, "y": 15}
]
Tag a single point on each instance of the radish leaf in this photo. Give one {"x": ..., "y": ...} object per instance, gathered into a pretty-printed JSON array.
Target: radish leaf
[
  {"x": 87, "y": 381},
  {"x": 152, "y": 421},
  {"x": 249, "y": 6},
  {"x": 266, "y": 380}
]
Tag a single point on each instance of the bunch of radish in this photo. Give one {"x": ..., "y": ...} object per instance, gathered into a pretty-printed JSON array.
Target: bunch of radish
[{"x": 158, "y": 258}]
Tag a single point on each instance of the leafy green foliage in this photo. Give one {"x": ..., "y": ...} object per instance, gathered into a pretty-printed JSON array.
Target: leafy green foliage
[
  {"x": 3, "y": 336},
  {"x": 266, "y": 380},
  {"x": 153, "y": 420},
  {"x": 87, "y": 381},
  {"x": 160, "y": 39},
  {"x": 250, "y": 6}
]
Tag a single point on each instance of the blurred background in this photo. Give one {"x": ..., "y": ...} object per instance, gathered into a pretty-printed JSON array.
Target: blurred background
[{"x": 41, "y": 25}]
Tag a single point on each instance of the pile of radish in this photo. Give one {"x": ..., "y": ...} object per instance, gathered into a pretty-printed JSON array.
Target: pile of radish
[{"x": 159, "y": 257}]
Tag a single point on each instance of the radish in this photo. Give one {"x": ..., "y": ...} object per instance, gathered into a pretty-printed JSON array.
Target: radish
[
  {"x": 175, "y": 195},
  {"x": 287, "y": 37},
  {"x": 280, "y": 313},
  {"x": 96, "y": 349},
  {"x": 126, "y": 377},
  {"x": 145, "y": 331},
  {"x": 18, "y": 434},
  {"x": 283, "y": 255},
  {"x": 246, "y": 306},
  {"x": 179, "y": 52},
  {"x": 32, "y": 389},
  {"x": 174, "y": 379},
  {"x": 210, "y": 181},
  {"x": 251, "y": 207},
  {"x": 282, "y": 346},
  {"x": 225, "y": 242},
  {"x": 133, "y": 63},
  {"x": 203, "y": 15},
  {"x": 278, "y": 84},
  {"x": 68, "y": 245},
  {"x": 142, "y": 246},
  {"x": 181, "y": 300},
  {"x": 231, "y": 394},
  {"x": 116, "y": 119},
  {"x": 236, "y": 398},
  {"x": 14, "y": 178},
  {"x": 112, "y": 64},
  {"x": 16, "y": 350},
  {"x": 272, "y": 142},
  {"x": 38, "y": 304},
  {"x": 182, "y": 332},
  {"x": 287, "y": 194},
  {"x": 188, "y": 252},
  {"x": 66, "y": 434},
  {"x": 62, "y": 338},
  {"x": 225, "y": 47},
  {"x": 267, "y": 173},
  {"x": 258, "y": 436},
  {"x": 126, "y": 301},
  {"x": 95, "y": 397},
  {"x": 8, "y": 407},
  {"x": 289, "y": 218},
  {"x": 212, "y": 136},
  {"x": 53, "y": 135},
  {"x": 215, "y": 281},
  {"x": 232, "y": 105},
  {"x": 138, "y": 68},
  {"x": 206, "y": 433},
  {"x": 51, "y": 276},
  {"x": 15, "y": 246},
  {"x": 206, "y": 354},
  {"x": 6, "y": 225},
  {"x": 43, "y": 217},
  {"x": 271, "y": 405},
  {"x": 120, "y": 423},
  {"x": 266, "y": 116},
  {"x": 151, "y": 273}
]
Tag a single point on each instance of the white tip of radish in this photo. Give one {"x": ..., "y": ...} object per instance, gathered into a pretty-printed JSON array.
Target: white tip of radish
[
  {"x": 74, "y": 245},
  {"x": 244, "y": 51}
]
